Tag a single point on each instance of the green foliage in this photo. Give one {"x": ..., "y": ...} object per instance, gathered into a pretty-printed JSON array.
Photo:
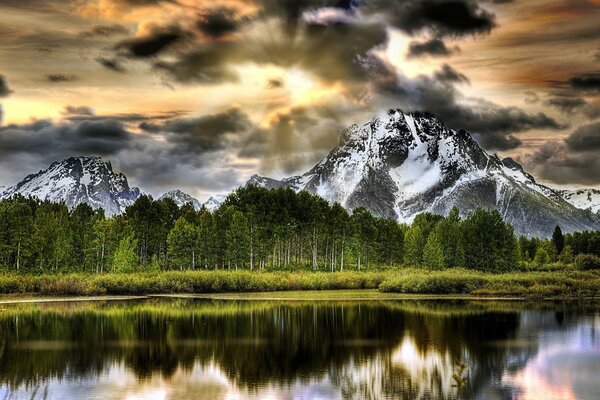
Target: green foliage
[
  {"x": 558, "y": 239},
  {"x": 541, "y": 256},
  {"x": 587, "y": 262},
  {"x": 566, "y": 256},
  {"x": 433, "y": 253},
  {"x": 125, "y": 259},
  {"x": 489, "y": 243}
]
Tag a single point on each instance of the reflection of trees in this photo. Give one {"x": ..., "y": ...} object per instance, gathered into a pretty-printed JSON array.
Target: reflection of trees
[{"x": 256, "y": 343}]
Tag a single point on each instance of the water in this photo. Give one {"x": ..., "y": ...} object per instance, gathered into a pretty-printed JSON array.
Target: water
[{"x": 208, "y": 349}]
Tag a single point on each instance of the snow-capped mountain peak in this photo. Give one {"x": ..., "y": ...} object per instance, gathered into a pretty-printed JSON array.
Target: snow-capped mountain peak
[
  {"x": 79, "y": 180},
  {"x": 181, "y": 198},
  {"x": 400, "y": 164},
  {"x": 586, "y": 199}
]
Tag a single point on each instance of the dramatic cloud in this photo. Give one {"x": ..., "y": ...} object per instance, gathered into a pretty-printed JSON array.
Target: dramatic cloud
[
  {"x": 105, "y": 31},
  {"x": 112, "y": 64},
  {"x": 445, "y": 18},
  {"x": 585, "y": 138},
  {"x": 566, "y": 104},
  {"x": 79, "y": 111},
  {"x": 493, "y": 125},
  {"x": 61, "y": 78},
  {"x": 218, "y": 22},
  {"x": 42, "y": 138},
  {"x": 435, "y": 48},
  {"x": 152, "y": 44},
  {"x": 587, "y": 82},
  {"x": 4, "y": 89},
  {"x": 449, "y": 74}
]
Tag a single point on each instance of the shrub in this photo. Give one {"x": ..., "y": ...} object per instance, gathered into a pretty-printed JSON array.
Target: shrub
[{"x": 587, "y": 261}]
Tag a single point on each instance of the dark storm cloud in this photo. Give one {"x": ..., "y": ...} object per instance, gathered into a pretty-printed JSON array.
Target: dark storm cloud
[
  {"x": 587, "y": 82},
  {"x": 574, "y": 160},
  {"x": 61, "y": 78},
  {"x": 112, "y": 64},
  {"x": 446, "y": 18},
  {"x": 208, "y": 132},
  {"x": 566, "y": 104},
  {"x": 218, "y": 22},
  {"x": 4, "y": 89},
  {"x": 105, "y": 31},
  {"x": 43, "y": 138},
  {"x": 449, "y": 74},
  {"x": 585, "y": 138},
  {"x": 151, "y": 45},
  {"x": 209, "y": 63},
  {"x": 435, "y": 48},
  {"x": 493, "y": 125}
]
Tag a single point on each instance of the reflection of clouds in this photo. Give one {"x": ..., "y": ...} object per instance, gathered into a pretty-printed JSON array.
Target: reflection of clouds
[
  {"x": 567, "y": 365},
  {"x": 431, "y": 367}
]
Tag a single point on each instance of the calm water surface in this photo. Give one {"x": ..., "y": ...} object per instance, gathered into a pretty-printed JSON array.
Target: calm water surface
[{"x": 208, "y": 349}]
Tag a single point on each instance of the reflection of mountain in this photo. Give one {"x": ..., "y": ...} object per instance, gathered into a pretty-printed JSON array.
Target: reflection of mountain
[{"x": 403, "y": 350}]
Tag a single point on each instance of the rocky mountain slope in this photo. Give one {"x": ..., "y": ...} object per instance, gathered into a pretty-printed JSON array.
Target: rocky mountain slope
[
  {"x": 400, "y": 164},
  {"x": 181, "y": 198},
  {"x": 79, "y": 180}
]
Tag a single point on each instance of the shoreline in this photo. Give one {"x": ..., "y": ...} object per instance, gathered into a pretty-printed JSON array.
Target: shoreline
[{"x": 363, "y": 295}]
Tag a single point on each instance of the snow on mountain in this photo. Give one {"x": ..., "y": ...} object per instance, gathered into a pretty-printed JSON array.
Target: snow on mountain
[
  {"x": 400, "y": 164},
  {"x": 181, "y": 198},
  {"x": 79, "y": 180},
  {"x": 585, "y": 199},
  {"x": 214, "y": 202}
]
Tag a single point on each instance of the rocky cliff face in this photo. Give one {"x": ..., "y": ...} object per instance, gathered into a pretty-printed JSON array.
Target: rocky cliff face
[
  {"x": 400, "y": 164},
  {"x": 79, "y": 180}
]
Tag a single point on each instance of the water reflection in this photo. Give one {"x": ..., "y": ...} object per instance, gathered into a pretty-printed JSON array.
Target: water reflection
[{"x": 198, "y": 349}]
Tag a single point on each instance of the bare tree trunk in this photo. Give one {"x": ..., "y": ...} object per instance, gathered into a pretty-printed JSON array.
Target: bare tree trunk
[{"x": 18, "y": 254}]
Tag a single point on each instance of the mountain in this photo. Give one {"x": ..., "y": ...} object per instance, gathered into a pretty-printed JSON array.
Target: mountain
[
  {"x": 585, "y": 199},
  {"x": 181, "y": 198},
  {"x": 79, "y": 180},
  {"x": 400, "y": 164},
  {"x": 214, "y": 202}
]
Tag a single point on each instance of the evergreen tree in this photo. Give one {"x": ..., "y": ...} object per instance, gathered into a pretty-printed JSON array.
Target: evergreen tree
[
  {"x": 558, "y": 239},
  {"x": 541, "y": 256}
]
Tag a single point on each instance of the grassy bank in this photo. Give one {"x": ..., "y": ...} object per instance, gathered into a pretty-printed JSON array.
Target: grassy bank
[
  {"x": 530, "y": 284},
  {"x": 186, "y": 282},
  {"x": 567, "y": 283}
]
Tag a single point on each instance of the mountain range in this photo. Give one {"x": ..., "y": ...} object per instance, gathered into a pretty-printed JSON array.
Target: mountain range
[{"x": 396, "y": 165}]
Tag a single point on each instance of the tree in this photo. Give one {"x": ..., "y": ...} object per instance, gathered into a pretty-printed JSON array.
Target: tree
[
  {"x": 433, "y": 252},
  {"x": 238, "y": 238},
  {"x": 414, "y": 243},
  {"x": 125, "y": 259},
  {"x": 541, "y": 256},
  {"x": 489, "y": 243},
  {"x": 182, "y": 243},
  {"x": 566, "y": 256},
  {"x": 558, "y": 239}
]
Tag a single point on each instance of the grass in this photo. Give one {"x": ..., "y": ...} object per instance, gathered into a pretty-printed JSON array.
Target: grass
[
  {"x": 543, "y": 283},
  {"x": 567, "y": 283}
]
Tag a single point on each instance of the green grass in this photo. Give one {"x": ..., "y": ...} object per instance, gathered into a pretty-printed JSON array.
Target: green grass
[
  {"x": 543, "y": 283},
  {"x": 186, "y": 282},
  {"x": 567, "y": 283}
]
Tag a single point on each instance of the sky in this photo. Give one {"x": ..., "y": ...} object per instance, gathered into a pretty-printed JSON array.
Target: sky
[{"x": 199, "y": 95}]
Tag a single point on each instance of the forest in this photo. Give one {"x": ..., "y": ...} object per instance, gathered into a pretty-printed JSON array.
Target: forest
[{"x": 271, "y": 230}]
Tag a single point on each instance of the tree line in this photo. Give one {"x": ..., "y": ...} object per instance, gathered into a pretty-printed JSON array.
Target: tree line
[{"x": 260, "y": 229}]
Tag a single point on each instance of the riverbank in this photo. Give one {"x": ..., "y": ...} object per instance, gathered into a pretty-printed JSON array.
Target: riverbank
[{"x": 568, "y": 283}]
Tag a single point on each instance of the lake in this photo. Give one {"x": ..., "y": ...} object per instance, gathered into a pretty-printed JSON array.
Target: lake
[{"x": 181, "y": 348}]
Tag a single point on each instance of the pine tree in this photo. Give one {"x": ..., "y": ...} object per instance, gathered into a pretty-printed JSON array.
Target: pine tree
[{"x": 558, "y": 239}]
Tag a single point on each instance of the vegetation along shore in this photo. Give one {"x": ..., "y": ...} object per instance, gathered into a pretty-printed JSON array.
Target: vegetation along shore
[{"x": 279, "y": 240}]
